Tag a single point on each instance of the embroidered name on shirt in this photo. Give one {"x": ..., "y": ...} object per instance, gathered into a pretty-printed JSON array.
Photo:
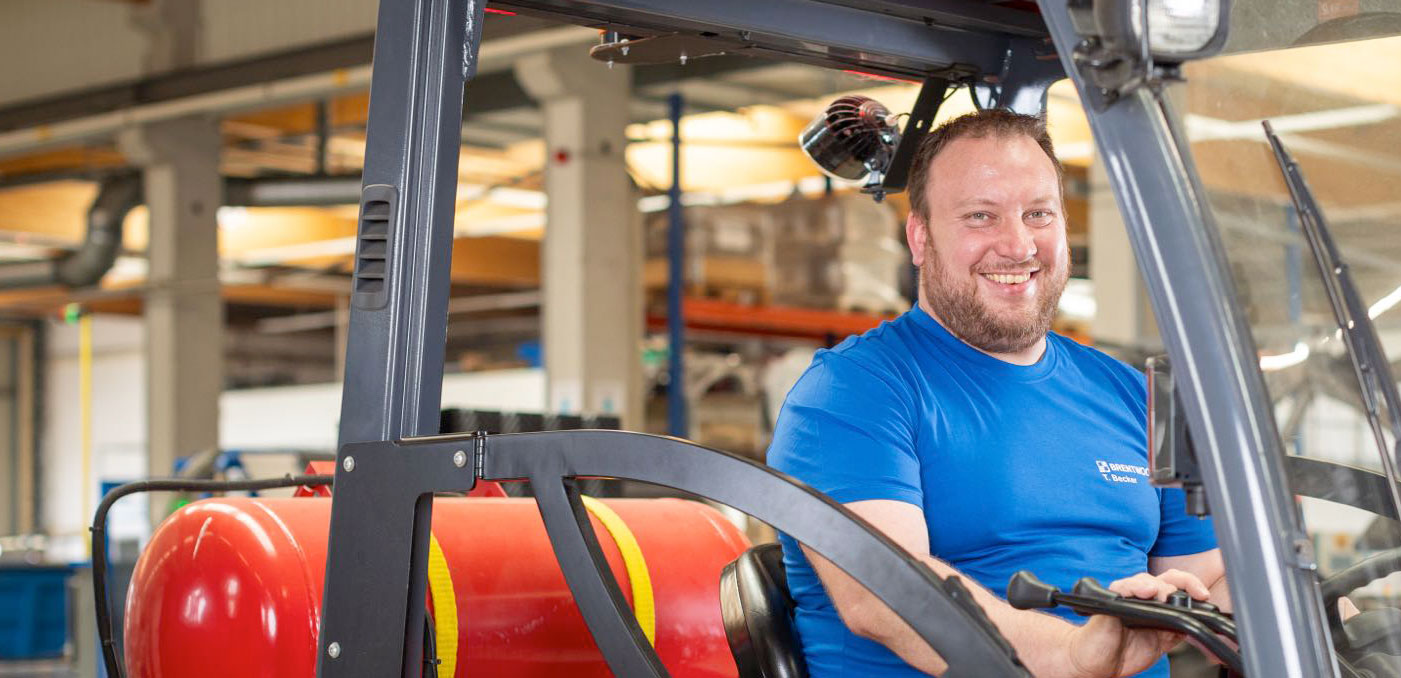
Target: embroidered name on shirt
[{"x": 1115, "y": 472}]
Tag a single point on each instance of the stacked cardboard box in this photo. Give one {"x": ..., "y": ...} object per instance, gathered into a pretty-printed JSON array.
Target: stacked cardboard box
[
  {"x": 838, "y": 252},
  {"x": 726, "y": 247},
  {"x": 841, "y": 251}
]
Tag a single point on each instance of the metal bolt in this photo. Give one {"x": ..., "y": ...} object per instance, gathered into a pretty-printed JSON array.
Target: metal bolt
[
  {"x": 334, "y": 649},
  {"x": 459, "y": 459},
  {"x": 348, "y": 464}
]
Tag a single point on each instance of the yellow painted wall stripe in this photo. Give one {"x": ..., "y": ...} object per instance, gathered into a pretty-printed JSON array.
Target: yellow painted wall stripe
[
  {"x": 444, "y": 608},
  {"x": 85, "y": 414},
  {"x": 643, "y": 604}
]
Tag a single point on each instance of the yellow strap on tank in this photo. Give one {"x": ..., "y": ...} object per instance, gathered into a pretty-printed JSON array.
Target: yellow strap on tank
[
  {"x": 643, "y": 605},
  {"x": 444, "y": 608}
]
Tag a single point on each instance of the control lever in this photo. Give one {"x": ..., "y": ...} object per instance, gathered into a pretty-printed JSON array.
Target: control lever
[{"x": 1202, "y": 621}]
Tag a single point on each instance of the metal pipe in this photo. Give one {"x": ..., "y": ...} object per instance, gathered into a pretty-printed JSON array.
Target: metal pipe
[
  {"x": 323, "y": 135},
  {"x": 676, "y": 406},
  {"x": 85, "y": 266},
  {"x": 120, "y": 193},
  {"x": 103, "y": 240}
]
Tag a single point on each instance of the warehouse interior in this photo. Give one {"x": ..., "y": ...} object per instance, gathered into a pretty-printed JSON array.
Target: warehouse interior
[{"x": 180, "y": 187}]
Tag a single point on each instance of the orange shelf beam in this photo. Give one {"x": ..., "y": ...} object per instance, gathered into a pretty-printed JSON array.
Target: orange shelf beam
[{"x": 782, "y": 321}]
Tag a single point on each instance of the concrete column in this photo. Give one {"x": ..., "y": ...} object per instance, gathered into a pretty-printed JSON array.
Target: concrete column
[
  {"x": 592, "y": 253},
  {"x": 1123, "y": 315},
  {"x": 174, "y": 30},
  {"x": 183, "y": 311}
]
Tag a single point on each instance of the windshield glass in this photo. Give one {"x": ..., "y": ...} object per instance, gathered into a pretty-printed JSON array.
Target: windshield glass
[
  {"x": 1258, "y": 25},
  {"x": 1337, "y": 108}
]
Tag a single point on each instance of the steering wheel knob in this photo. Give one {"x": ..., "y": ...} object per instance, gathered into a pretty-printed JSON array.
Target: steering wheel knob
[
  {"x": 1026, "y": 592},
  {"x": 1090, "y": 587},
  {"x": 1181, "y": 599}
]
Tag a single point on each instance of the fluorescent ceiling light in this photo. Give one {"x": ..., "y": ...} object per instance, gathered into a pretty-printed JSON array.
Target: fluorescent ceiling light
[
  {"x": 498, "y": 225},
  {"x": 126, "y": 269},
  {"x": 232, "y": 217},
  {"x": 503, "y": 195},
  {"x": 18, "y": 252},
  {"x": 773, "y": 190},
  {"x": 518, "y": 197}
]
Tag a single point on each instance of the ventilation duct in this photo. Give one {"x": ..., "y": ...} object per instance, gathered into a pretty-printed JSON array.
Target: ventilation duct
[{"x": 83, "y": 267}]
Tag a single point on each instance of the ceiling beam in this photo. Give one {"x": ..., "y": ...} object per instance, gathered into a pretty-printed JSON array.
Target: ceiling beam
[{"x": 189, "y": 82}]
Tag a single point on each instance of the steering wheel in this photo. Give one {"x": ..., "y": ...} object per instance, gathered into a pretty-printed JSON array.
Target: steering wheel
[{"x": 1370, "y": 641}]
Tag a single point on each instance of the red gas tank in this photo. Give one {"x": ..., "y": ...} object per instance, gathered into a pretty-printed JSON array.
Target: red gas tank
[{"x": 232, "y": 587}]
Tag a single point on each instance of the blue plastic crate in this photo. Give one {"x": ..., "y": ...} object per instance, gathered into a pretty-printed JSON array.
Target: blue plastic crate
[{"x": 33, "y": 611}]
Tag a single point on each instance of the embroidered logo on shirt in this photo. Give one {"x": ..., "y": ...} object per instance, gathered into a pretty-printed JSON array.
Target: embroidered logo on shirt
[{"x": 1117, "y": 472}]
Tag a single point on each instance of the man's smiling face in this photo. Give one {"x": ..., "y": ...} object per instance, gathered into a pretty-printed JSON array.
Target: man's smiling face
[{"x": 993, "y": 256}]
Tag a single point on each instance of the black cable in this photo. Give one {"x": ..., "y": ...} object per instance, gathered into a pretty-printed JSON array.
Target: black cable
[
  {"x": 430, "y": 646},
  {"x": 99, "y": 537},
  {"x": 973, "y": 94}
]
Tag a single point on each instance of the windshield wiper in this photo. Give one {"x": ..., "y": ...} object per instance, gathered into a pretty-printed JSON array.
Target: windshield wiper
[{"x": 1364, "y": 347}]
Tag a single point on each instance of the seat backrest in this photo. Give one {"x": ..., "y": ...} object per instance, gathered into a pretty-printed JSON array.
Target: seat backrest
[{"x": 758, "y": 615}]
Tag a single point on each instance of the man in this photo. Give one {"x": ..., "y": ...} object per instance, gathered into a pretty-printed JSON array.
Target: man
[{"x": 981, "y": 442}]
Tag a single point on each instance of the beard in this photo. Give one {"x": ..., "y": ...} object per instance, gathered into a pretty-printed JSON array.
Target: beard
[{"x": 956, "y": 305}]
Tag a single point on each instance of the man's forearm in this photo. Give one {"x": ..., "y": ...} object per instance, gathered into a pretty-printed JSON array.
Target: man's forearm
[{"x": 1041, "y": 639}]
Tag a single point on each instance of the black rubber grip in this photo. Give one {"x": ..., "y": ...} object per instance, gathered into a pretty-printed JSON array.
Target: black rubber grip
[{"x": 1026, "y": 592}]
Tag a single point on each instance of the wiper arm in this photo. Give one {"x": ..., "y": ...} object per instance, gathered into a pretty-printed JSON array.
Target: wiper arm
[{"x": 1364, "y": 347}]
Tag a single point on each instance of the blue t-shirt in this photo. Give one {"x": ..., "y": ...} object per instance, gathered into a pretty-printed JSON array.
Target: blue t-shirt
[{"x": 1038, "y": 467}]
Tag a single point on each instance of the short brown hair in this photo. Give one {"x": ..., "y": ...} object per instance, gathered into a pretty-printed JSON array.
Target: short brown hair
[{"x": 988, "y": 122}]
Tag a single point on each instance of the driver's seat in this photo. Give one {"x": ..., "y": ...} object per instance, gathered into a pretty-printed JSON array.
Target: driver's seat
[{"x": 758, "y": 615}]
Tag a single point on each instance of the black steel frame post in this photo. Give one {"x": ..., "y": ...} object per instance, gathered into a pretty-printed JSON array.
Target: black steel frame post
[
  {"x": 1178, "y": 248},
  {"x": 1029, "y": 68},
  {"x": 927, "y": 104},
  {"x": 425, "y": 51},
  {"x": 372, "y": 609}
]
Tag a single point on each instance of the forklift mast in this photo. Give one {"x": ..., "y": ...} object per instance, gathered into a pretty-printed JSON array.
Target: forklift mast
[{"x": 391, "y": 459}]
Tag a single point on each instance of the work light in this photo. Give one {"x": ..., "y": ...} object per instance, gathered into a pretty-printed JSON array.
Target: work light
[
  {"x": 1178, "y": 30},
  {"x": 854, "y": 138}
]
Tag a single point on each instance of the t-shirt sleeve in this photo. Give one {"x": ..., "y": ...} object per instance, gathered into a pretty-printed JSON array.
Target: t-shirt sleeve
[
  {"x": 1180, "y": 534},
  {"x": 848, "y": 432}
]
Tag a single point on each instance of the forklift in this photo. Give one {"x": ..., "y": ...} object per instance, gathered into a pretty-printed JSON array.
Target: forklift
[{"x": 1212, "y": 431}]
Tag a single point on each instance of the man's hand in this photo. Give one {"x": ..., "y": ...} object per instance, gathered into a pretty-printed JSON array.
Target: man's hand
[{"x": 1104, "y": 648}]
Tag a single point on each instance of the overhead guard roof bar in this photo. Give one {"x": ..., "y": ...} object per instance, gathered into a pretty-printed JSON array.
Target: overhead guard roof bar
[{"x": 810, "y": 31}]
